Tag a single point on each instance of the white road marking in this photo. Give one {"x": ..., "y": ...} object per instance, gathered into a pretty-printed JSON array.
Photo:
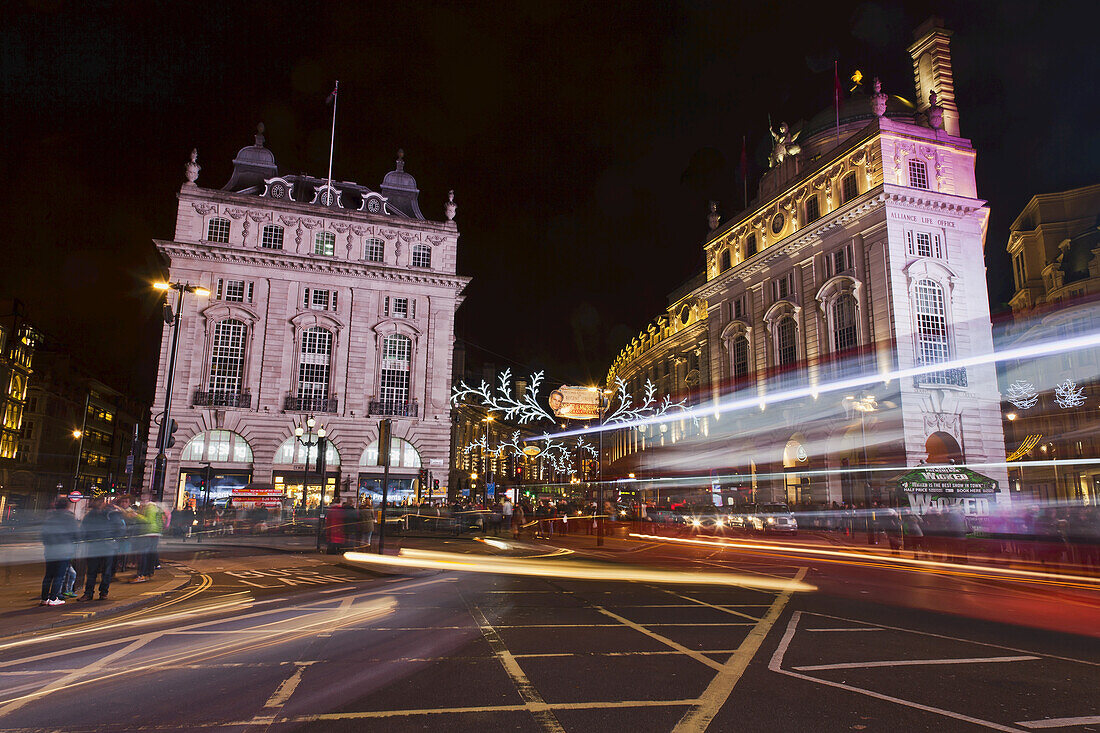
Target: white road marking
[
  {"x": 700, "y": 716},
  {"x": 860, "y": 629},
  {"x": 1060, "y": 722},
  {"x": 776, "y": 665},
  {"x": 697, "y": 656},
  {"x": 913, "y": 663},
  {"x": 486, "y": 709},
  {"x": 754, "y": 619},
  {"x": 285, "y": 690}
]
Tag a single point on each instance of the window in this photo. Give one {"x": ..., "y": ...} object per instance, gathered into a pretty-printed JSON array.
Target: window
[
  {"x": 849, "y": 187},
  {"x": 840, "y": 261},
  {"x": 400, "y": 307},
  {"x": 218, "y": 231},
  {"x": 783, "y": 287},
  {"x": 234, "y": 291},
  {"x": 786, "y": 348},
  {"x": 750, "y": 245},
  {"x": 375, "y": 249},
  {"x": 931, "y": 323},
  {"x": 227, "y": 357},
  {"x": 396, "y": 355},
  {"x": 739, "y": 353},
  {"x": 724, "y": 261},
  {"x": 421, "y": 255},
  {"x": 314, "y": 364},
  {"x": 272, "y": 237},
  {"x": 217, "y": 446},
  {"x": 844, "y": 323},
  {"x": 918, "y": 174},
  {"x": 1018, "y": 269},
  {"x": 319, "y": 299},
  {"x": 324, "y": 244},
  {"x": 739, "y": 307},
  {"x": 813, "y": 209}
]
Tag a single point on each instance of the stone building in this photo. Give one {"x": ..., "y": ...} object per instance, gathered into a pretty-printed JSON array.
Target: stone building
[
  {"x": 18, "y": 339},
  {"x": 328, "y": 300},
  {"x": 1050, "y": 401},
  {"x": 861, "y": 255}
]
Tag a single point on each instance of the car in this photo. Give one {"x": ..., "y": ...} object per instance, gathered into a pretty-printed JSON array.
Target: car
[
  {"x": 706, "y": 518},
  {"x": 770, "y": 518},
  {"x": 740, "y": 517}
]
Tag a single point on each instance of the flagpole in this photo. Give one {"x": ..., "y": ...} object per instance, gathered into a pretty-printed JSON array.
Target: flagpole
[
  {"x": 745, "y": 167},
  {"x": 836, "y": 98},
  {"x": 332, "y": 139}
]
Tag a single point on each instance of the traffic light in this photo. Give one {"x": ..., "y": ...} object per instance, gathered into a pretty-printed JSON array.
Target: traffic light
[
  {"x": 173, "y": 426},
  {"x": 423, "y": 478},
  {"x": 435, "y": 484}
]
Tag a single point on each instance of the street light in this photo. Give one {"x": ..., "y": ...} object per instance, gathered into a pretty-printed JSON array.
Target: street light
[
  {"x": 160, "y": 465},
  {"x": 601, "y": 394},
  {"x": 310, "y": 435}
]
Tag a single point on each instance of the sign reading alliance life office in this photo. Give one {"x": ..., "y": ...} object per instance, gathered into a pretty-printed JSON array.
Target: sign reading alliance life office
[
  {"x": 575, "y": 403},
  {"x": 945, "y": 486}
]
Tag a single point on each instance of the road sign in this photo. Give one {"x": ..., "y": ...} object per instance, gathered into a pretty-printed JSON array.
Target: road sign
[{"x": 75, "y": 496}]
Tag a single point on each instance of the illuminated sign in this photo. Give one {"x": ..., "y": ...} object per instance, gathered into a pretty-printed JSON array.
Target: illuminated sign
[
  {"x": 575, "y": 403},
  {"x": 946, "y": 481}
]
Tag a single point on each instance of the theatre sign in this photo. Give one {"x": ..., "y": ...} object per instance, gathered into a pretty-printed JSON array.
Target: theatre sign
[{"x": 946, "y": 486}]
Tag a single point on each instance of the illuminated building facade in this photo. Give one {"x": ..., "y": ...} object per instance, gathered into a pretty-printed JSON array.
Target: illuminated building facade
[
  {"x": 18, "y": 340},
  {"x": 335, "y": 301},
  {"x": 1050, "y": 402},
  {"x": 861, "y": 255}
]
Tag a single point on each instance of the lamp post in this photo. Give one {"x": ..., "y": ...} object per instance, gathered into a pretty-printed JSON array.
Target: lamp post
[
  {"x": 866, "y": 403},
  {"x": 160, "y": 465},
  {"x": 601, "y": 394},
  {"x": 310, "y": 435}
]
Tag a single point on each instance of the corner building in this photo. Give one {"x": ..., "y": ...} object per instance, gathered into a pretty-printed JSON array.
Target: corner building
[
  {"x": 861, "y": 255},
  {"x": 335, "y": 301}
]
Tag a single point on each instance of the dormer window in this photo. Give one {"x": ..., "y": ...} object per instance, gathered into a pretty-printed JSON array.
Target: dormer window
[
  {"x": 324, "y": 244},
  {"x": 750, "y": 245},
  {"x": 813, "y": 209},
  {"x": 849, "y": 187},
  {"x": 218, "y": 231},
  {"x": 918, "y": 174},
  {"x": 724, "y": 261}
]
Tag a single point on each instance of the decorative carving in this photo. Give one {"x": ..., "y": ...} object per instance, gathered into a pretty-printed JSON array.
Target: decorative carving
[
  {"x": 434, "y": 239},
  {"x": 361, "y": 230},
  {"x": 713, "y": 218},
  {"x": 388, "y": 233},
  {"x": 259, "y": 138},
  {"x": 339, "y": 226},
  {"x": 310, "y": 223},
  {"x": 289, "y": 220},
  {"x": 782, "y": 145},
  {"x": 205, "y": 209},
  {"x": 450, "y": 208},
  {"x": 878, "y": 100},
  {"x": 234, "y": 214},
  {"x": 935, "y": 112},
  {"x": 259, "y": 216},
  {"x": 191, "y": 170}
]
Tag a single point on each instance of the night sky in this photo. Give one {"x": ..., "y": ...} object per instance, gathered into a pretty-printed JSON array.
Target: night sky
[{"x": 583, "y": 140}]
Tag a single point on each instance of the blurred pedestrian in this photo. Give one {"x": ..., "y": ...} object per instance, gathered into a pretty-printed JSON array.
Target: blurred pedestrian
[
  {"x": 335, "y": 529},
  {"x": 59, "y": 534},
  {"x": 101, "y": 529}
]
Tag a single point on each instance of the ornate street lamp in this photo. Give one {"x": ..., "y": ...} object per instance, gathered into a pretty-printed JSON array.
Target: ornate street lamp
[{"x": 311, "y": 435}]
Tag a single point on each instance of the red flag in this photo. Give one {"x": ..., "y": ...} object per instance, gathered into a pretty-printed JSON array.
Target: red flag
[{"x": 332, "y": 97}]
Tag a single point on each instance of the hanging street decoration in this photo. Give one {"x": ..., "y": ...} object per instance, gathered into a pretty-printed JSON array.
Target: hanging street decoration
[
  {"x": 625, "y": 412},
  {"x": 1068, "y": 394},
  {"x": 1022, "y": 394},
  {"x": 524, "y": 409}
]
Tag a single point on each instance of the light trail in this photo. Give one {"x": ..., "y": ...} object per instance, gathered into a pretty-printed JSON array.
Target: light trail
[
  {"x": 1079, "y": 581},
  {"x": 760, "y": 401},
  {"x": 429, "y": 560}
]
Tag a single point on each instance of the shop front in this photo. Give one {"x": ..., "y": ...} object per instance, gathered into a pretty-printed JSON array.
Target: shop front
[
  {"x": 213, "y": 465},
  {"x": 296, "y": 472},
  {"x": 403, "y": 479}
]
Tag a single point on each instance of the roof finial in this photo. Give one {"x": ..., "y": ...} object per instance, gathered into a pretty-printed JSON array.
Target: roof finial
[
  {"x": 450, "y": 207},
  {"x": 191, "y": 170},
  {"x": 878, "y": 100},
  {"x": 935, "y": 111},
  {"x": 400, "y": 159},
  {"x": 713, "y": 217},
  {"x": 260, "y": 135}
]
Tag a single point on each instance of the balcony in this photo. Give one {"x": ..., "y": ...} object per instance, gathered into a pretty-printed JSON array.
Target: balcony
[
  {"x": 220, "y": 398},
  {"x": 954, "y": 377},
  {"x": 311, "y": 404},
  {"x": 392, "y": 409}
]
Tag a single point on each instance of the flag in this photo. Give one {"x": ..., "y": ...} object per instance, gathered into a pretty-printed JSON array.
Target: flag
[{"x": 332, "y": 97}]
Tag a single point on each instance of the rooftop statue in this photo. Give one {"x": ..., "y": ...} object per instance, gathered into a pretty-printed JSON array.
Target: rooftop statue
[{"x": 783, "y": 145}]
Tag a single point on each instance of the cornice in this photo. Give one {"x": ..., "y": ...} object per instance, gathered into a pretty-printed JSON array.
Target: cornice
[{"x": 288, "y": 262}]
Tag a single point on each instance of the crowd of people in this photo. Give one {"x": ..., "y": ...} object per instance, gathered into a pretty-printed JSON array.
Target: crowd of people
[{"x": 112, "y": 537}]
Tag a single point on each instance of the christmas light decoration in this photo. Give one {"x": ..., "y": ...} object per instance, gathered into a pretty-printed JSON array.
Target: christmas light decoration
[
  {"x": 524, "y": 410},
  {"x": 1022, "y": 394},
  {"x": 1068, "y": 394},
  {"x": 650, "y": 407}
]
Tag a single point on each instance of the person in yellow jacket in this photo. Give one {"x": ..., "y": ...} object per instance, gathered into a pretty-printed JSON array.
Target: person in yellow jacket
[{"x": 147, "y": 539}]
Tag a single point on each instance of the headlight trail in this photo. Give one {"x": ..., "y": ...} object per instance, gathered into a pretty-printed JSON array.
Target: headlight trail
[
  {"x": 1078, "y": 581},
  {"x": 427, "y": 560}
]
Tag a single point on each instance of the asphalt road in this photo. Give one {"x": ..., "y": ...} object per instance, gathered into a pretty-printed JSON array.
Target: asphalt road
[{"x": 296, "y": 642}]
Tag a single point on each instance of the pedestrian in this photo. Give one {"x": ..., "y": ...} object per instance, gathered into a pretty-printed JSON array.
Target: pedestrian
[
  {"x": 59, "y": 535},
  {"x": 335, "y": 529},
  {"x": 101, "y": 529},
  {"x": 150, "y": 526},
  {"x": 914, "y": 535},
  {"x": 891, "y": 523},
  {"x": 366, "y": 519},
  {"x": 518, "y": 518}
]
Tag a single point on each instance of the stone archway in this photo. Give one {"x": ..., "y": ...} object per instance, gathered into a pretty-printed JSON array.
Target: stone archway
[{"x": 943, "y": 449}]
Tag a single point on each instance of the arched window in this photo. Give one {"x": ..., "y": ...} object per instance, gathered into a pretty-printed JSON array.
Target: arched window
[
  {"x": 393, "y": 390},
  {"x": 813, "y": 209},
  {"x": 849, "y": 187},
  {"x": 844, "y": 323},
  {"x": 750, "y": 245},
  {"x": 272, "y": 237},
  {"x": 421, "y": 255},
  {"x": 786, "y": 347},
  {"x": 724, "y": 261},
  {"x": 313, "y": 366},
  {"x": 374, "y": 250},
  {"x": 324, "y": 243},
  {"x": 217, "y": 446},
  {"x": 218, "y": 231},
  {"x": 931, "y": 313},
  {"x": 227, "y": 358},
  {"x": 739, "y": 356},
  {"x": 402, "y": 454},
  {"x": 292, "y": 452}
]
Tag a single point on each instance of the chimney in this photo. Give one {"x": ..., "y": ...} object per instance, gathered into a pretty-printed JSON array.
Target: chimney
[{"x": 931, "y": 54}]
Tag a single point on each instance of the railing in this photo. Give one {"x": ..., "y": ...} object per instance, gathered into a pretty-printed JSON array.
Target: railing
[
  {"x": 311, "y": 404},
  {"x": 395, "y": 409},
  {"x": 954, "y": 377},
  {"x": 221, "y": 398}
]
